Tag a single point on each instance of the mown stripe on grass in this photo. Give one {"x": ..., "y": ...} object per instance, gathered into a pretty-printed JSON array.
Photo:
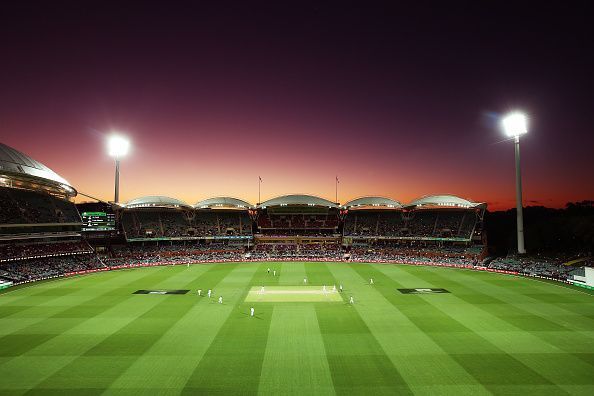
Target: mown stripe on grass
[
  {"x": 515, "y": 352},
  {"x": 319, "y": 274},
  {"x": 532, "y": 318},
  {"x": 34, "y": 307},
  {"x": 169, "y": 363},
  {"x": 262, "y": 277},
  {"x": 358, "y": 363},
  {"x": 534, "y": 300},
  {"x": 295, "y": 359},
  {"x": 25, "y": 371},
  {"x": 292, "y": 273},
  {"x": 40, "y": 288},
  {"x": 232, "y": 363},
  {"x": 71, "y": 314},
  {"x": 420, "y": 361},
  {"x": 128, "y": 333},
  {"x": 554, "y": 287}
]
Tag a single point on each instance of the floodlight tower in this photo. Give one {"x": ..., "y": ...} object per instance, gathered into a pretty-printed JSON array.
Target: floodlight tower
[
  {"x": 118, "y": 147},
  {"x": 514, "y": 125}
]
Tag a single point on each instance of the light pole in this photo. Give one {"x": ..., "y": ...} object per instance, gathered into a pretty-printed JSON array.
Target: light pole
[
  {"x": 514, "y": 125},
  {"x": 336, "y": 186},
  {"x": 118, "y": 147},
  {"x": 259, "y": 187}
]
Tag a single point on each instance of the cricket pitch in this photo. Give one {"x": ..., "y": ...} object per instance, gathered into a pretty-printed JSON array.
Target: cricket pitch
[{"x": 293, "y": 294}]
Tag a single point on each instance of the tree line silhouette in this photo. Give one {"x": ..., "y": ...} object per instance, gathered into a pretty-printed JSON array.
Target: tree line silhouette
[{"x": 546, "y": 230}]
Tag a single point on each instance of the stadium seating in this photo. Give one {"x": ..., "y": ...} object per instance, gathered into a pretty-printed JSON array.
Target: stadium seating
[
  {"x": 34, "y": 269},
  {"x": 460, "y": 255},
  {"x": 167, "y": 223},
  {"x": 25, "y": 250},
  {"x": 29, "y": 207},
  {"x": 420, "y": 223},
  {"x": 24, "y": 263},
  {"x": 533, "y": 266},
  {"x": 289, "y": 224},
  {"x": 141, "y": 255},
  {"x": 297, "y": 251}
]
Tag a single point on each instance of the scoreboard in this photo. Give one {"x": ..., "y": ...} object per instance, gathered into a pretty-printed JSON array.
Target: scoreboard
[{"x": 98, "y": 221}]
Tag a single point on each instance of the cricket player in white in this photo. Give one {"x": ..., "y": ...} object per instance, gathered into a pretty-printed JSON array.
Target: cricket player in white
[
  {"x": 262, "y": 289},
  {"x": 252, "y": 311},
  {"x": 209, "y": 292},
  {"x": 220, "y": 299},
  {"x": 304, "y": 280},
  {"x": 188, "y": 265},
  {"x": 268, "y": 270},
  {"x": 274, "y": 273},
  {"x": 199, "y": 292},
  {"x": 340, "y": 287},
  {"x": 351, "y": 300},
  {"x": 371, "y": 281}
]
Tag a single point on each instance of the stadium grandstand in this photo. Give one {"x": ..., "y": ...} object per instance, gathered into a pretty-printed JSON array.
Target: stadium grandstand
[
  {"x": 297, "y": 219},
  {"x": 156, "y": 218},
  {"x": 159, "y": 218},
  {"x": 223, "y": 217},
  {"x": 373, "y": 217},
  {"x": 443, "y": 225},
  {"x": 445, "y": 217},
  {"x": 40, "y": 227},
  {"x": 35, "y": 201}
]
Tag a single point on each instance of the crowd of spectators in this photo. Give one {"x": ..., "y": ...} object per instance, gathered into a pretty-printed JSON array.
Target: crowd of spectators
[
  {"x": 171, "y": 254},
  {"x": 546, "y": 266},
  {"x": 18, "y": 206},
  {"x": 458, "y": 255},
  {"x": 314, "y": 251},
  {"x": 218, "y": 223},
  {"x": 313, "y": 233},
  {"x": 373, "y": 223},
  {"x": 170, "y": 223},
  {"x": 21, "y": 251},
  {"x": 297, "y": 221},
  {"x": 422, "y": 223},
  {"x": 60, "y": 258},
  {"x": 41, "y": 268}
]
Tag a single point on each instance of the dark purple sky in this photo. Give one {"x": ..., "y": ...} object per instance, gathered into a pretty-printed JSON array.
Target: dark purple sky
[{"x": 397, "y": 100}]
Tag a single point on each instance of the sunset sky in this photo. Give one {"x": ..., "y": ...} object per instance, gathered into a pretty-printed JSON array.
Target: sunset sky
[{"x": 398, "y": 102}]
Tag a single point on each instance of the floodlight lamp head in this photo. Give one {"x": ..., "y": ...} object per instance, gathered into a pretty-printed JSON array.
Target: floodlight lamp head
[
  {"x": 515, "y": 124},
  {"x": 118, "y": 146}
]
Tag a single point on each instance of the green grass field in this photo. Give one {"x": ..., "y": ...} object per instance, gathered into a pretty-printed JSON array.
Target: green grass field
[{"x": 492, "y": 334}]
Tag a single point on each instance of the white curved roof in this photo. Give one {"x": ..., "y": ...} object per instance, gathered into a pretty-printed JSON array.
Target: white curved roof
[
  {"x": 381, "y": 202},
  {"x": 156, "y": 201},
  {"x": 15, "y": 162},
  {"x": 298, "y": 199},
  {"x": 444, "y": 200},
  {"x": 222, "y": 202}
]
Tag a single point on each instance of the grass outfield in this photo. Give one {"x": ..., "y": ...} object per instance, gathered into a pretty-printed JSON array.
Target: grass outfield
[{"x": 491, "y": 334}]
